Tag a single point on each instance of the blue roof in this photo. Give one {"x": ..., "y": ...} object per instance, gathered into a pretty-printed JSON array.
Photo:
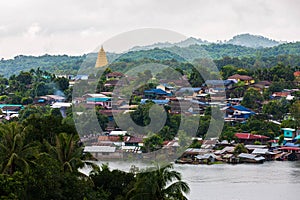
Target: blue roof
[
  {"x": 219, "y": 82},
  {"x": 156, "y": 91},
  {"x": 289, "y": 144},
  {"x": 242, "y": 108},
  {"x": 228, "y": 82},
  {"x": 156, "y": 101}
]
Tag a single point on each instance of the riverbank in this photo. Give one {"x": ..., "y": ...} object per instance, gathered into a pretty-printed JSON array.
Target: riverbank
[{"x": 270, "y": 181}]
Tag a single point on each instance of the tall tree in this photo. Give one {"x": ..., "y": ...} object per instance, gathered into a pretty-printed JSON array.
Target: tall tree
[
  {"x": 159, "y": 183},
  {"x": 252, "y": 99},
  {"x": 68, "y": 152},
  {"x": 15, "y": 153},
  {"x": 115, "y": 183},
  {"x": 295, "y": 111}
]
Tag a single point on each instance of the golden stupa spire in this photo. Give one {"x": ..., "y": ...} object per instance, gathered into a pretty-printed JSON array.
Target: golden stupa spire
[{"x": 101, "y": 59}]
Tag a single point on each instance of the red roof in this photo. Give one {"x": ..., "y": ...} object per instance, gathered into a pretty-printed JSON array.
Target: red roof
[
  {"x": 111, "y": 138},
  {"x": 273, "y": 141},
  {"x": 115, "y": 74},
  {"x": 110, "y": 112},
  {"x": 290, "y": 148},
  {"x": 133, "y": 139},
  {"x": 297, "y": 73},
  {"x": 111, "y": 82},
  {"x": 241, "y": 77},
  {"x": 281, "y": 94},
  {"x": 249, "y": 136}
]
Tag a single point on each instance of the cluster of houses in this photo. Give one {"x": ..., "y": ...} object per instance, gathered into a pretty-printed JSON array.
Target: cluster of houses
[
  {"x": 10, "y": 111},
  {"x": 121, "y": 145},
  {"x": 175, "y": 93},
  {"x": 181, "y": 99},
  {"x": 187, "y": 100},
  {"x": 266, "y": 150}
]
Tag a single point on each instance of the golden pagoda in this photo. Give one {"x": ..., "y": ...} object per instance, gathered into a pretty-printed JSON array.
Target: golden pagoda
[{"x": 101, "y": 59}]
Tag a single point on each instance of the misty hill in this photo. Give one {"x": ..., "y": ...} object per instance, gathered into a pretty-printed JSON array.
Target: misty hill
[
  {"x": 213, "y": 51},
  {"x": 64, "y": 64},
  {"x": 246, "y": 40},
  {"x": 184, "y": 43},
  {"x": 253, "y": 41}
]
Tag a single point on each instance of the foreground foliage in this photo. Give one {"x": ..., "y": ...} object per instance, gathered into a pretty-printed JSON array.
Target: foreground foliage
[{"x": 39, "y": 161}]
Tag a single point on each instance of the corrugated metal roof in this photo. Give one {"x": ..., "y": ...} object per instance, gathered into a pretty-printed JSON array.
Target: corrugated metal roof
[
  {"x": 99, "y": 149},
  {"x": 205, "y": 156},
  {"x": 56, "y": 97},
  {"x": 250, "y": 146},
  {"x": 227, "y": 149},
  {"x": 247, "y": 155},
  {"x": 197, "y": 150},
  {"x": 117, "y": 133},
  {"x": 251, "y": 156},
  {"x": 61, "y": 104},
  {"x": 260, "y": 151}
]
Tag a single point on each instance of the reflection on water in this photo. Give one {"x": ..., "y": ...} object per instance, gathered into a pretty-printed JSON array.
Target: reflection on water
[
  {"x": 295, "y": 172},
  {"x": 271, "y": 180}
]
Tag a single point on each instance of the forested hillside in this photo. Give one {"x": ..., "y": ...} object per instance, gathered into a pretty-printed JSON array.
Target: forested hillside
[{"x": 221, "y": 53}]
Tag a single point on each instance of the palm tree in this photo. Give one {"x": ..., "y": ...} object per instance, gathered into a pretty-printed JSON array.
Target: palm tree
[
  {"x": 15, "y": 153},
  {"x": 68, "y": 152},
  {"x": 159, "y": 183}
]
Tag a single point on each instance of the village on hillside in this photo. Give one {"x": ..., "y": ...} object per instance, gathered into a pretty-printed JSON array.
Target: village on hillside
[{"x": 177, "y": 97}]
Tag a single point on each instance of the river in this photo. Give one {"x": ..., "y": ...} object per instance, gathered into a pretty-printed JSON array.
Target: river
[{"x": 269, "y": 181}]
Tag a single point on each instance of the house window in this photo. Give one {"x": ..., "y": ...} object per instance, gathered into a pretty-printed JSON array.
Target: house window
[{"x": 105, "y": 153}]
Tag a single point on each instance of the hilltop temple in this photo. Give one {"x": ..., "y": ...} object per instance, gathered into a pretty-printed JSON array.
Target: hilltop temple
[{"x": 101, "y": 59}]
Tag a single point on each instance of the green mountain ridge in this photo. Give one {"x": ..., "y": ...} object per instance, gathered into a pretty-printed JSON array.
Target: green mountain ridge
[{"x": 64, "y": 64}]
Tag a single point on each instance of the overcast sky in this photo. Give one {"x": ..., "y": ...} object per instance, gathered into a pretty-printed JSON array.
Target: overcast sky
[{"x": 76, "y": 27}]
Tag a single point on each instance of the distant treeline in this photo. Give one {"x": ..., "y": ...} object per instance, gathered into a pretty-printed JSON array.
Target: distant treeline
[{"x": 221, "y": 54}]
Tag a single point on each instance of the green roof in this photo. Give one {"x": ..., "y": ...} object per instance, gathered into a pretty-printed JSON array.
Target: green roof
[{"x": 11, "y": 105}]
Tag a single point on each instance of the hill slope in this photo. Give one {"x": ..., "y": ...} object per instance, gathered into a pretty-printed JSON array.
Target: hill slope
[{"x": 253, "y": 41}]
